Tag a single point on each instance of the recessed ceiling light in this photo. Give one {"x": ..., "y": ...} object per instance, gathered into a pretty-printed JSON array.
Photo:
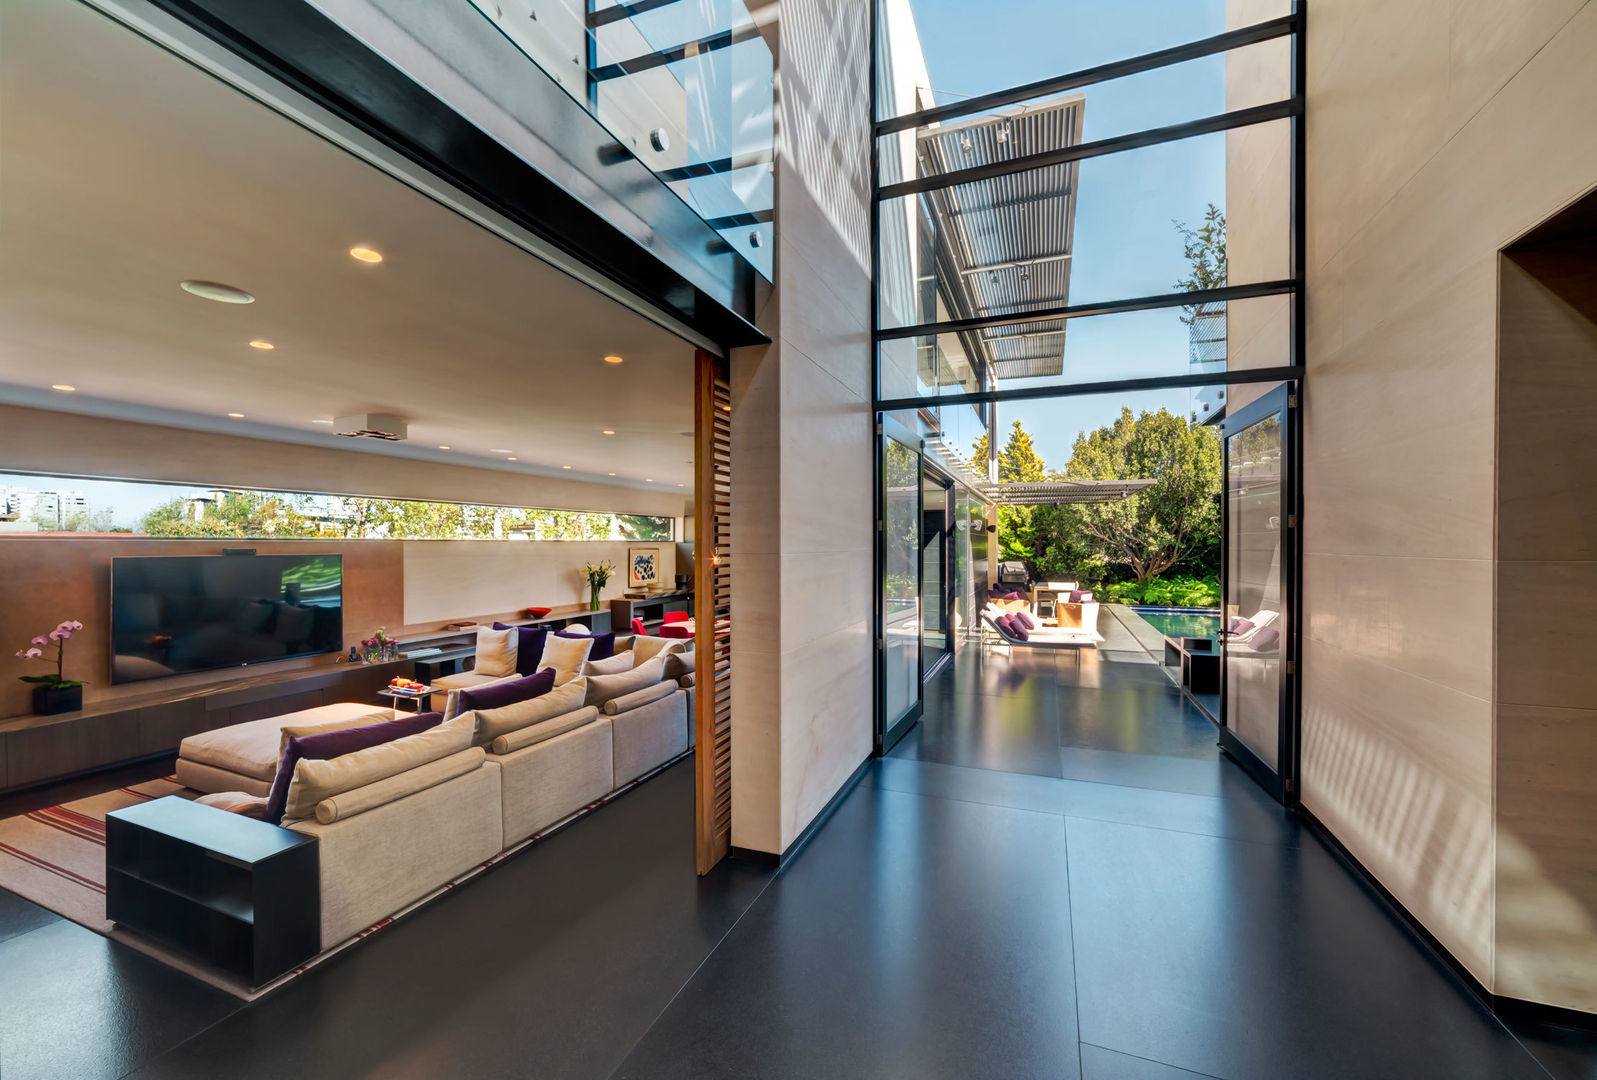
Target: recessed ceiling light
[
  {"x": 607, "y": 431},
  {"x": 236, "y": 415},
  {"x": 611, "y": 474},
  {"x": 499, "y": 451},
  {"x": 365, "y": 255},
  {"x": 321, "y": 421},
  {"x": 63, "y": 387},
  {"x": 215, "y": 290},
  {"x": 613, "y": 359},
  {"x": 510, "y": 459},
  {"x": 681, "y": 485},
  {"x": 565, "y": 466},
  {"x": 648, "y": 480},
  {"x": 264, "y": 346},
  {"x": 443, "y": 448}
]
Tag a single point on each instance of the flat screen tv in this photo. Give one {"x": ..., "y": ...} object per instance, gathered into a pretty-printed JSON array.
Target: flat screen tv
[{"x": 174, "y": 614}]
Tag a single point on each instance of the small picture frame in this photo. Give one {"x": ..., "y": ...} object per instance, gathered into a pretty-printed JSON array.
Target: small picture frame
[{"x": 643, "y": 567}]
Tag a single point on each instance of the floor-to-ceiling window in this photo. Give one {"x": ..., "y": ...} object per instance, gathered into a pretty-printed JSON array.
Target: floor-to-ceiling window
[{"x": 1074, "y": 202}]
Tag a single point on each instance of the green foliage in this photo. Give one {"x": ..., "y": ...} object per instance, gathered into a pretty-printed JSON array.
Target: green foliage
[
  {"x": 1173, "y": 525},
  {"x": 1204, "y": 248},
  {"x": 1176, "y": 591}
]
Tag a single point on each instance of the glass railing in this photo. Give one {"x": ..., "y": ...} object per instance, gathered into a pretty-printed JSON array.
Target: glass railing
[{"x": 685, "y": 86}]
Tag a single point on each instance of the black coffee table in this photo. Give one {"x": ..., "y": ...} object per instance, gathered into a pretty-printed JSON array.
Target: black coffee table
[{"x": 237, "y": 893}]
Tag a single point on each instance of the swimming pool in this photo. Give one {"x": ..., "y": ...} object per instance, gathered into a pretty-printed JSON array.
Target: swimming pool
[{"x": 1182, "y": 622}]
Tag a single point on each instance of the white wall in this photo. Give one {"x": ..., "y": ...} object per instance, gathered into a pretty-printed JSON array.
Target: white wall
[
  {"x": 451, "y": 579},
  {"x": 1438, "y": 131},
  {"x": 801, "y": 429}
]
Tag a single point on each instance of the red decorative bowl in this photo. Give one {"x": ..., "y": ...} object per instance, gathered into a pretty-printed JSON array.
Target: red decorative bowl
[{"x": 537, "y": 612}]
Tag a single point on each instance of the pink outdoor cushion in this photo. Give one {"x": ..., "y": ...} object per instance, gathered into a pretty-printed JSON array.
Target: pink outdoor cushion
[
  {"x": 1238, "y": 625},
  {"x": 1024, "y": 619}
]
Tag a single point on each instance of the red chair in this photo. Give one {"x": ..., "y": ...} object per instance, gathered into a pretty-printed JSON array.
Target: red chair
[
  {"x": 637, "y": 628},
  {"x": 675, "y": 630},
  {"x": 676, "y": 616}
]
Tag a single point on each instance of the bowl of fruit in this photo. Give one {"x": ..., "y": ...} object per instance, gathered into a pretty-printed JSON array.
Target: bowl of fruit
[
  {"x": 410, "y": 686},
  {"x": 537, "y": 612}
]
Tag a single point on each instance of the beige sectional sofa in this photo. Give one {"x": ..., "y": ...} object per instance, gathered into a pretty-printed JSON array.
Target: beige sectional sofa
[{"x": 396, "y": 821}]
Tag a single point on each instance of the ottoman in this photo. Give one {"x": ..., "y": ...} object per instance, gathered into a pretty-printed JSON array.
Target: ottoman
[{"x": 244, "y": 757}]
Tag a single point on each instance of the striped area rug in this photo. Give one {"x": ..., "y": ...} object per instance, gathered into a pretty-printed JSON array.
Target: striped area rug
[{"x": 56, "y": 856}]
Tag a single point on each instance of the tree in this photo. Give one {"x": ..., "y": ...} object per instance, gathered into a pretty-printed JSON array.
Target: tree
[
  {"x": 1018, "y": 463},
  {"x": 1204, "y": 248},
  {"x": 1174, "y": 522},
  {"x": 238, "y": 514}
]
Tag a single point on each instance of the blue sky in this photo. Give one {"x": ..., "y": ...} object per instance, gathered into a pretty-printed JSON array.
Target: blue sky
[{"x": 1125, "y": 243}]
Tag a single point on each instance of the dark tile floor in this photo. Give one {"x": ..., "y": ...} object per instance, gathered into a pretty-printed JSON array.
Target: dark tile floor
[{"x": 1126, "y": 910}]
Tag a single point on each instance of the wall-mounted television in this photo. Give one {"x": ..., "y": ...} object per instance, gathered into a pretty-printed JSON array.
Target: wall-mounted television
[{"x": 174, "y": 614}]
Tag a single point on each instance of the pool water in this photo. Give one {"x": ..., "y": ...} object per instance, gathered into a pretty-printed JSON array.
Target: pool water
[{"x": 1182, "y": 623}]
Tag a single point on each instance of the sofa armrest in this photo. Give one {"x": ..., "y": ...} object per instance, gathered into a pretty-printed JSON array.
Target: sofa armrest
[
  {"x": 349, "y": 803},
  {"x": 639, "y": 698},
  {"x": 522, "y": 738}
]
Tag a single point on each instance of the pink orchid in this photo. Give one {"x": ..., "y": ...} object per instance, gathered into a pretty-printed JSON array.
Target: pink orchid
[
  {"x": 40, "y": 640},
  {"x": 31, "y": 654},
  {"x": 59, "y": 634}
]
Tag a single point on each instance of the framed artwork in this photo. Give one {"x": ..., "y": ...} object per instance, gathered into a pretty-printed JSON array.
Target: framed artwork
[{"x": 643, "y": 567}]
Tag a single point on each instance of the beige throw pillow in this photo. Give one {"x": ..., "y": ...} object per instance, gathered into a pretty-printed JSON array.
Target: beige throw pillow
[
  {"x": 315, "y": 780},
  {"x": 566, "y": 655},
  {"x": 610, "y": 665},
  {"x": 492, "y": 723},
  {"x": 646, "y": 648},
  {"x": 601, "y": 688},
  {"x": 496, "y": 652},
  {"x": 678, "y": 664}
]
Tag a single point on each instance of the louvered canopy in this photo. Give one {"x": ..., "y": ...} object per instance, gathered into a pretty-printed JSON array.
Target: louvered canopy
[{"x": 1004, "y": 245}]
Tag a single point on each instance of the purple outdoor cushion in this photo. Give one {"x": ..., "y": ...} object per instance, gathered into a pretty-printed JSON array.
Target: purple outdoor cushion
[
  {"x": 1081, "y": 596},
  {"x": 1021, "y": 632},
  {"x": 1238, "y": 625},
  {"x": 331, "y": 744},
  {"x": 529, "y": 646},
  {"x": 1024, "y": 619},
  {"x": 1009, "y": 624},
  {"x": 498, "y": 695},
  {"x": 1267, "y": 640},
  {"x": 604, "y": 645}
]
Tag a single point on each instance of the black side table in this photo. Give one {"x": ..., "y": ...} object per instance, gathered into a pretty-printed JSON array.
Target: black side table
[{"x": 237, "y": 893}]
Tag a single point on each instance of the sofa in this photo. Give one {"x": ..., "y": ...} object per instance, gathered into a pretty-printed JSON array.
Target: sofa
[{"x": 398, "y": 820}]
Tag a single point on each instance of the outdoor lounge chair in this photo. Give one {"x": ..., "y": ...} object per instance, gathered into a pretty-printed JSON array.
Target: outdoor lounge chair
[
  {"x": 1260, "y": 620},
  {"x": 1044, "y": 637}
]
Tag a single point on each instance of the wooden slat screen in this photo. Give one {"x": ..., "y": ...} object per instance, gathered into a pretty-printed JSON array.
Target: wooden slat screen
[{"x": 712, "y": 572}]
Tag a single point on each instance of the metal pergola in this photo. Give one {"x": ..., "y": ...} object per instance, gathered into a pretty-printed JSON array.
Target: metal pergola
[{"x": 1062, "y": 492}]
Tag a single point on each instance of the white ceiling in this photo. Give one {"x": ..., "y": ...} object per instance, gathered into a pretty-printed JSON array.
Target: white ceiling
[{"x": 124, "y": 170}]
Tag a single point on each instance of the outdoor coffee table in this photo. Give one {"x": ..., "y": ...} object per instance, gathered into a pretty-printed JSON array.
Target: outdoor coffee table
[{"x": 1200, "y": 664}]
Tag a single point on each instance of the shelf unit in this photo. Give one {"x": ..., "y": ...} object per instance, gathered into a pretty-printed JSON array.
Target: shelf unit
[{"x": 236, "y": 893}]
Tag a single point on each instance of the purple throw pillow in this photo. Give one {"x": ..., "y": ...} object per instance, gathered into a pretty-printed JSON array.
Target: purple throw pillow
[
  {"x": 1024, "y": 619},
  {"x": 529, "y": 646},
  {"x": 498, "y": 695},
  {"x": 331, "y": 744},
  {"x": 1080, "y": 596},
  {"x": 1238, "y": 625},
  {"x": 1266, "y": 640},
  {"x": 604, "y": 645}
]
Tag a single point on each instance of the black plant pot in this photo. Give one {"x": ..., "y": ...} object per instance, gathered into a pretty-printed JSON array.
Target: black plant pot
[{"x": 49, "y": 700}]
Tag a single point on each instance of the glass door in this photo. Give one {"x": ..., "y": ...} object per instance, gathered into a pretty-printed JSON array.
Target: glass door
[
  {"x": 937, "y": 594},
  {"x": 1259, "y": 528},
  {"x": 898, "y": 637}
]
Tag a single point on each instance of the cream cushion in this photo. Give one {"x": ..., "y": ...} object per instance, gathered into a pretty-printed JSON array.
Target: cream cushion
[
  {"x": 678, "y": 664},
  {"x": 496, "y": 652},
  {"x": 601, "y": 688},
  {"x": 492, "y": 723},
  {"x": 315, "y": 780},
  {"x": 394, "y": 788},
  {"x": 566, "y": 656},
  {"x": 645, "y": 648},
  {"x": 638, "y": 698},
  {"x": 522, "y": 738},
  {"x": 236, "y": 802},
  {"x": 610, "y": 665},
  {"x": 253, "y": 749}
]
